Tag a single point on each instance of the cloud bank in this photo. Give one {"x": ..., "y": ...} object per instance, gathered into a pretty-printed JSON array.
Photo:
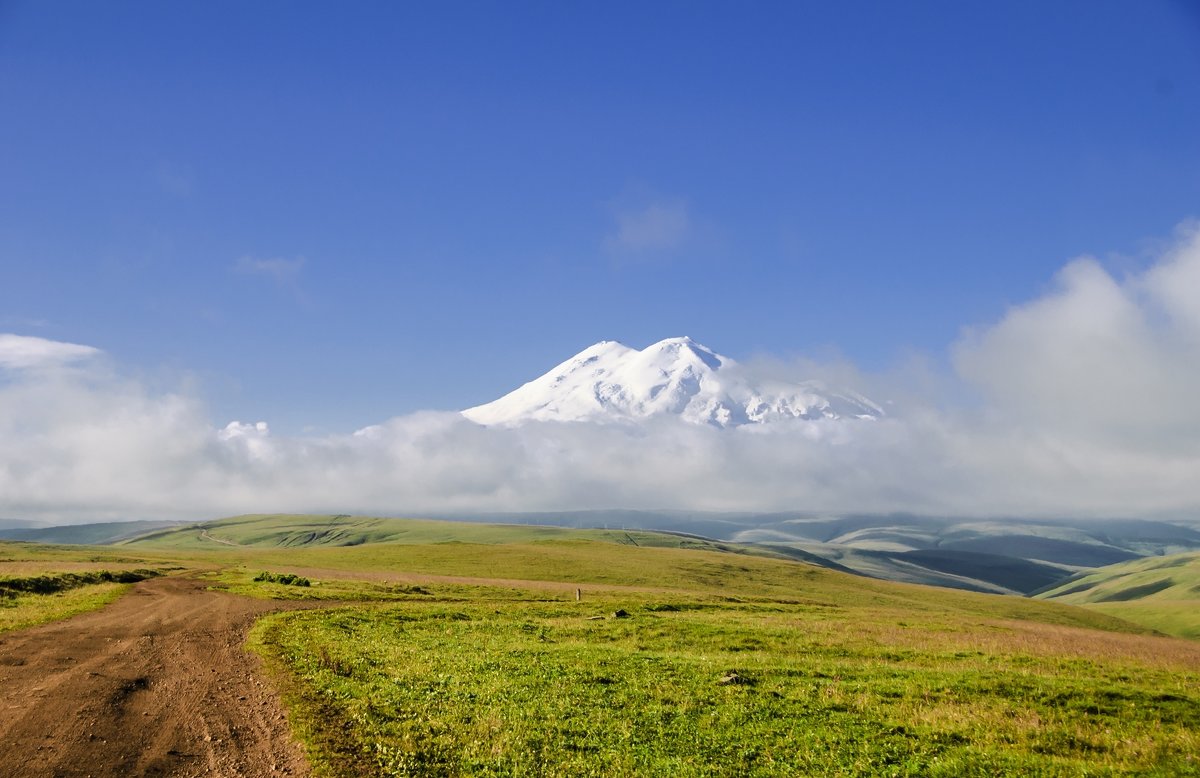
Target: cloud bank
[
  {"x": 23, "y": 352},
  {"x": 1086, "y": 405}
]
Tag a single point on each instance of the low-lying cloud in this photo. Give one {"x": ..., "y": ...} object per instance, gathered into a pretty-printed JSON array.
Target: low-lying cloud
[
  {"x": 1085, "y": 405},
  {"x": 23, "y": 352}
]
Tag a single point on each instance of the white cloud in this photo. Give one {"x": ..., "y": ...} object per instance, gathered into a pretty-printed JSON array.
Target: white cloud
[
  {"x": 1114, "y": 362},
  {"x": 24, "y": 352},
  {"x": 254, "y": 439},
  {"x": 1173, "y": 285},
  {"x": 657, "y": 225},
  {"x": 1086, "y": 407}
]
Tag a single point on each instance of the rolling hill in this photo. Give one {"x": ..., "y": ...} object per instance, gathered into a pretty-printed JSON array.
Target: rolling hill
[
  {"x": 97, "y": 534},
  {"x": 1010, "y": 556},
  {"x": 303, "y": 530},
  {"x": 1159, "y": 592},
  {"x": 939, "y": 567},
  {"x": 529, "y": 650}
]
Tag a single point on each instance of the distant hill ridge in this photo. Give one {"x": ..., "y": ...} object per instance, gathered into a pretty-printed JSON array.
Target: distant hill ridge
[
  {"x": 1011, "y": 556},
  {"x": 100, "y": 533}
]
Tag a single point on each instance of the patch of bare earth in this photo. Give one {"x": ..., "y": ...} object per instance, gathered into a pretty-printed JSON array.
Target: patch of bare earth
[{"x": 156, "y": 684}]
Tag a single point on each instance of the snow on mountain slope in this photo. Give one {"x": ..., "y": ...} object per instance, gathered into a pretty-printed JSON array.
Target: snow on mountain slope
[{"x": 612, "y": 382}]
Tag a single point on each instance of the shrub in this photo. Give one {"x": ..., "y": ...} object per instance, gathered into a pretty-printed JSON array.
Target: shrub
[{"x": 287, "y": 579}]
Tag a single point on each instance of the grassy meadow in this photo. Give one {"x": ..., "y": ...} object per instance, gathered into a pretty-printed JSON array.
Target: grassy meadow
[
  {"x": 40, "y": 583},
  {"x": 1160, "y": 592},
  {"x": 447, "y": 684},
  {"x": 282, "y": 530},
  {"x": 18, "y": 611},
  {"x": 459, "y": 649}
]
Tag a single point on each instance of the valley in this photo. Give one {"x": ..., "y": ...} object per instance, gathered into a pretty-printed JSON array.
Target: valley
[
  {"x": 451, "y": 648},
  {"x": 1160, "y": 592}
]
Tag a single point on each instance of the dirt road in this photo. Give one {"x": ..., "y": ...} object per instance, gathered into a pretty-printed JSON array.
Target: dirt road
[{"x": 156, "y": 684}]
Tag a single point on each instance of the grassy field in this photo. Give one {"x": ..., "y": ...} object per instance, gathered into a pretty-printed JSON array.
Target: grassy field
[
  {"x": 304, "y": 530},
  {"x": 452, "y": 649},
  {"x": 26, "y": 610},
  {"x": 40, "y": 583},
  {"x": 27, "y": 600},
  {"x": 1160, "y": 592},
  {"x": 499, "y": 682}
]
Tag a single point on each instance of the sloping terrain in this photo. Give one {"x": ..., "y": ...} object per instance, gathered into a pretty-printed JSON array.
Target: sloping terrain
[
  {"x": 1014, "y": 556},
  {"x": 1079, "y": 542},
  {"x": 99, "y": 533},
  {"x": 455, "y": 649},
  {"x": 1160, "y": 592},
  {"x": 306, "y": 530},
  {"x": 678, "y": 662},
  {"x": 970, "y": 570},
  {"x": 1011, "y": 573},
  {"x": 951, "y": 568}
]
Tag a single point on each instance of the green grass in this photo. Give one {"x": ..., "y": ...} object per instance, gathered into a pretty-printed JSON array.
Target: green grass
[
  {"x": 703, "y": 686},
  {"x": 1159, "y": 592},
  {"x": 455, "y": 649},
  {"x": 22, "y": 556},
  {"x": 304, "y": 530},
  {"x": 473, "y": 672},
  {"x": 96, "y": 534},
  {"x": 561, "y": 566},
  {"x": 40, "y": 583},
  {"x": 248, "y": 582},
  {"x": 28, "y": 610},
  {"x": 11, "y": 586}
]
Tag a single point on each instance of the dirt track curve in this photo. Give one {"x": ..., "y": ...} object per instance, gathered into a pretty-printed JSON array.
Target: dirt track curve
[{"x": 156, "y": 684}]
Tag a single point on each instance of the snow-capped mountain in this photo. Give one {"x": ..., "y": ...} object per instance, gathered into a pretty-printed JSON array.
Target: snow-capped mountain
[{"x": 612, "y": 382}]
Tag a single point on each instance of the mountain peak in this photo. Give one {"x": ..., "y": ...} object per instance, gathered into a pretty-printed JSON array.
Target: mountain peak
[
  {"x": 686, "y": 348},
  {"x": 609, "y": 381}
]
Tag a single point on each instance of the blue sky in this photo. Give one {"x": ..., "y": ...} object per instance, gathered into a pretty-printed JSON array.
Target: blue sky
[{"x": 324, "y": 215}]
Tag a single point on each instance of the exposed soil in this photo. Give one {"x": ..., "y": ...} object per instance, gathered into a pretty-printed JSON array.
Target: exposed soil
[
  {"x": 156, "y": 684},
  {"x": 205, "y": 536}
]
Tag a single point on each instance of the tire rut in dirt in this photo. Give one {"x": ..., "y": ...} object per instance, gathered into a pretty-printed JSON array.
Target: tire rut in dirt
[{"x": 156, "y": 684}]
